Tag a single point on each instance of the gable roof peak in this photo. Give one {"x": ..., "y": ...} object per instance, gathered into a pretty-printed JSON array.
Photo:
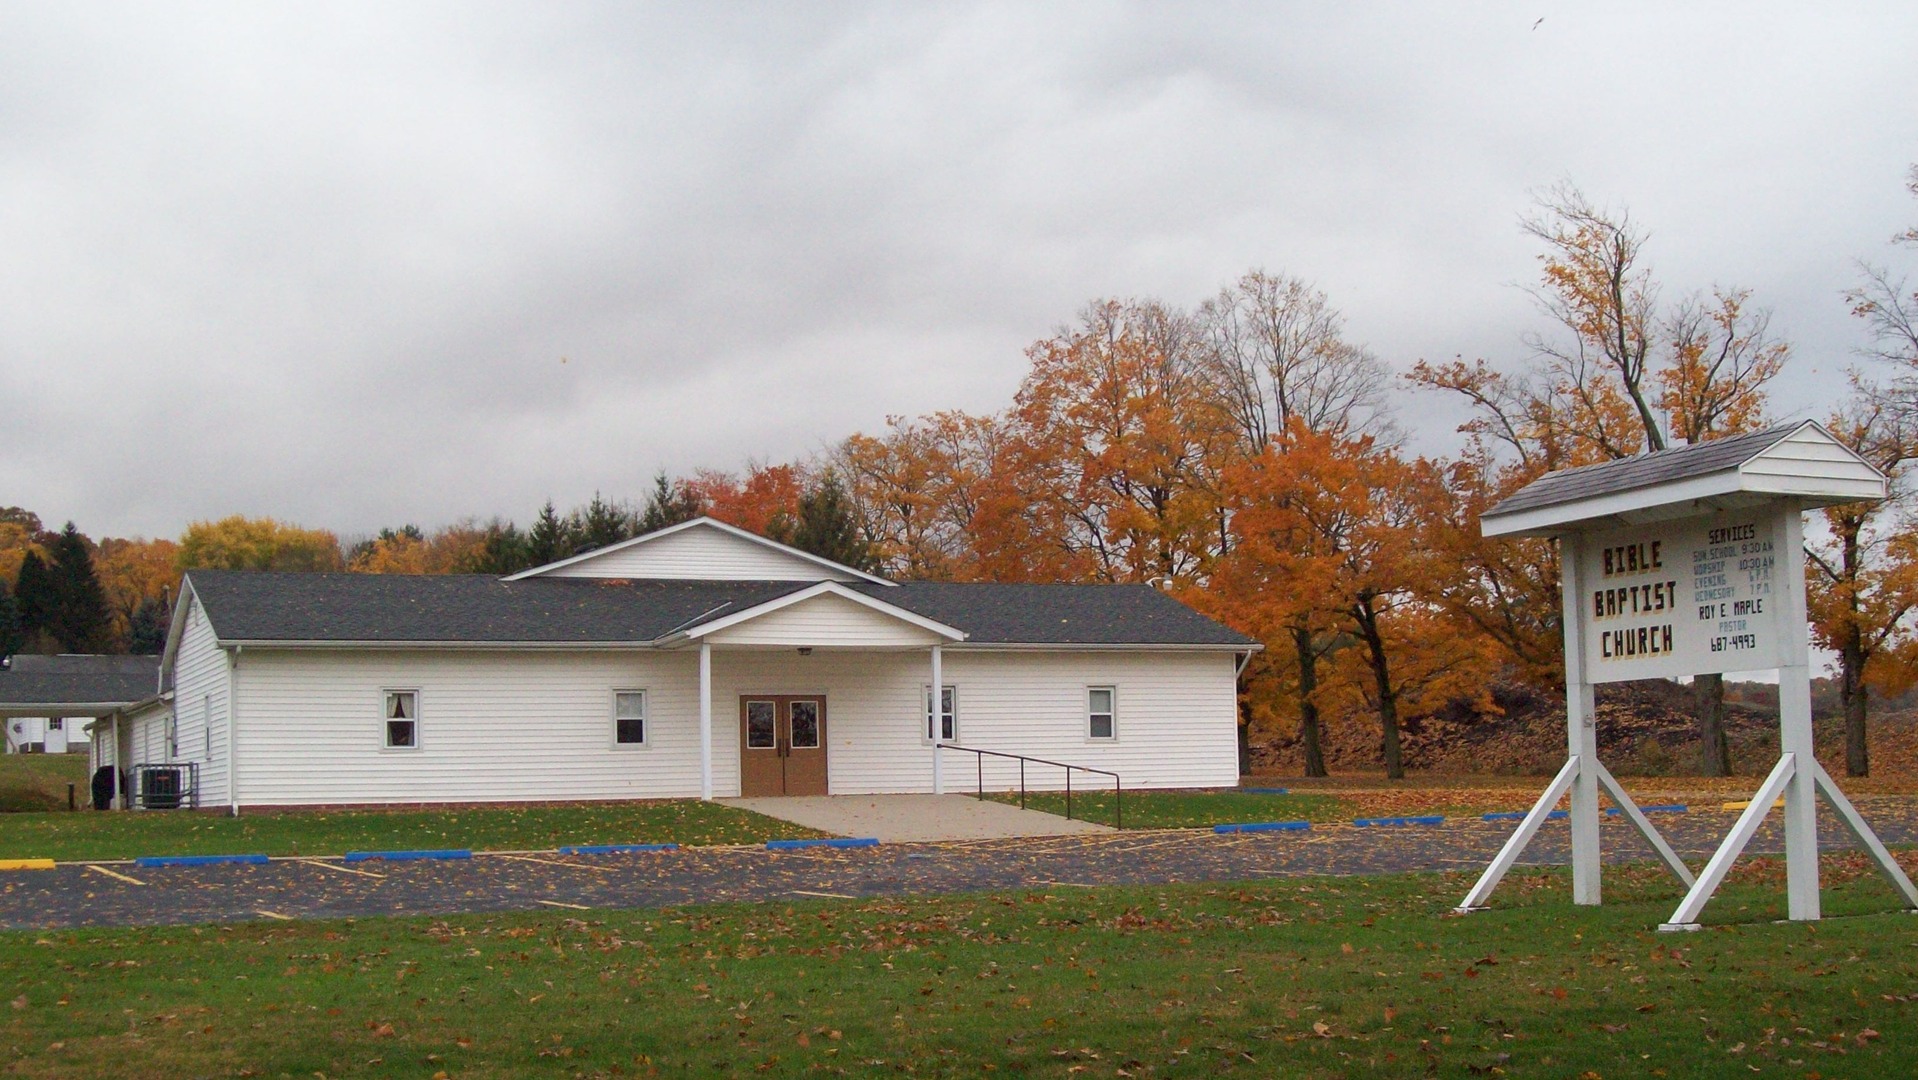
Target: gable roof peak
[{"x": 830, "y": 567}]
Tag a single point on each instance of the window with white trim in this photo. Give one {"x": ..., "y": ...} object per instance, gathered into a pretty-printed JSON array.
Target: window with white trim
[
  {"x": 948, "y": 712},
  {"x": 400, "y": 720},
  {"x": 629, "y": 718},
  {"x": 1101, "y": 712}
]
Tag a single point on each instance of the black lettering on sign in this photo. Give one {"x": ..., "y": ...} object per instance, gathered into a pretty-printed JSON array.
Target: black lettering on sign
[
  {"x": 1731, "y": 534},
  {"x": 1632, "y": 642},
  {"x": 1640, "y": 558}
]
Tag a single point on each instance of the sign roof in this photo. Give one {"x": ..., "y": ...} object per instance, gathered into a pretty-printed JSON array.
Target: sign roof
[{"x": 1800, "y": 462}]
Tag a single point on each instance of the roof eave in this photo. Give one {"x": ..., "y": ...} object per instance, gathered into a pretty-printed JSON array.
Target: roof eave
[{"x": 1728, "y": 489}]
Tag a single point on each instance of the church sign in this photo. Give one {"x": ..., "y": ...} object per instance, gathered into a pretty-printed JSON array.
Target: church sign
[
  {"x": 1686, "y": 562},
  {"x": 1675, "y": 599}
]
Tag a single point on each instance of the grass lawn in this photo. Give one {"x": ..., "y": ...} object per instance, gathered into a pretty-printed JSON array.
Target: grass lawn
[
  {"x": 1308, "y": 977},
  {"x": 90, "y": 835},
  {"x": 1187, "y": 809},
  {"x": 39, "y": 781}
]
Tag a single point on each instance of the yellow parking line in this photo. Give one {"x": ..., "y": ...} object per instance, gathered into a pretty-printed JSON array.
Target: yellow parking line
[
  {"x": 556, "y": 903},
  {"x": 115, "y": 874},
  {"x": 26, "y": 864},
  {"x": 827, "y": 895},
  {"x": 276, "y": 915},
  {"x": 338, "y": 869}
]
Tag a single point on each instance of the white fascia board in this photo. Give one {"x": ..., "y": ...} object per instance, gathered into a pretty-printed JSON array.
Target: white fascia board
[
  {"x": 483, "y": 646},
  {"x": 825, "y": 588},
  {"x": 704, "y": 522},
  {"x": 177, "y": 626},
  {"x": 1823, "y": 491},
  {"x": 1614, "y": 509},
  {"x": 1129, "y": 646},
  {"x": 32, "y": 709},
  {"x": 1728, "y": 490}
]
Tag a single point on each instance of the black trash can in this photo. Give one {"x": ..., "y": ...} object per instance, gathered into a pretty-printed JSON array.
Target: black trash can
[{"x": 103, "y": 778}]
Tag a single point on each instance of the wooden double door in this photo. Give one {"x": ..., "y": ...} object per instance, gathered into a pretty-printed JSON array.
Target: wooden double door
[{"x": 782, "y": 744}]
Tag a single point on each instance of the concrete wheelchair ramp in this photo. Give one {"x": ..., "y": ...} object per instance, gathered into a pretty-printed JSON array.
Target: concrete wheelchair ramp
[{"x": 914, "y": 818}]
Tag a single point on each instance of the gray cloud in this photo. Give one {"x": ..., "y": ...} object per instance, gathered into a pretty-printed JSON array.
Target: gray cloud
[{"x": 359, "y": 265}]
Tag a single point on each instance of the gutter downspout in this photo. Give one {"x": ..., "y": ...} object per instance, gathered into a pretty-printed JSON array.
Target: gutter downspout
[{"x": 232, "y": 733}]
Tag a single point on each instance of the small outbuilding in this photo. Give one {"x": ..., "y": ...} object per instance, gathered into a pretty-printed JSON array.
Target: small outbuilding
[{"x": 696, "y": 661}]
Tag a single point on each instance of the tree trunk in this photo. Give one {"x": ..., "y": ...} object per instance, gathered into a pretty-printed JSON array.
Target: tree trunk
[
  {"x": 1368, "y": 623},
  {"x": 1245, "y": 738},
  {"x": 1851, "y": 690},
  {"x": 1714, "y": 752},
  {"x": 1308, "y": 708}
]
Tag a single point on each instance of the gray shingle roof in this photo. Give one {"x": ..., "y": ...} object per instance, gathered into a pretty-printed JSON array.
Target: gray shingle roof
[
  {"x": 261, "y": 606},
  {"x": 78, "y": 680},
  {"x": 995, "y": 613},
  {"x": 1643, "y": 470}
]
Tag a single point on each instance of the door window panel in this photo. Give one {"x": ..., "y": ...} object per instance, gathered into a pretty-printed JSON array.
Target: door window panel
[
  {"x": 759, "y": 726},
  {"x": 805, "y": 724}
]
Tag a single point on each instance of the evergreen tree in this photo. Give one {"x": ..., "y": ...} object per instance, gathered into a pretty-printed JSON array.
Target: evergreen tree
[
  {"x": 33, "y": 594},
  {"x": 826, "y": 527},
  {"x": 603, "y": 523},
  {"x": 504, "y": 551},
  {"x": 80, "y": 620},
  {"x": 547, "y": 541},
  {"x": 668, "y": 505},
  {"x": 10, "y": 635},
  {"x": 147, "y": 630}
]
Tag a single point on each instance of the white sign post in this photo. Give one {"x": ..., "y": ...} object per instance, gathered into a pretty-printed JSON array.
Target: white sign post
[{"x": 1697, "y": 570}]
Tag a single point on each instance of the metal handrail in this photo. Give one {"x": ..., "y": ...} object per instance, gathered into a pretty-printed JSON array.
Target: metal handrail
[{"x": 979, "y": 761}]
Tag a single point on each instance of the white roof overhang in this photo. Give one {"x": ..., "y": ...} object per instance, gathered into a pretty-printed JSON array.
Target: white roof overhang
[
  {"x": 824, "y": 588},
  {"x": 1736, "y": 488}
]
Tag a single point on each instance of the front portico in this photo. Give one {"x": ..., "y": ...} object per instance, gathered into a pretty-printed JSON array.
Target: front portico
[{"x": 779, "y": 660}]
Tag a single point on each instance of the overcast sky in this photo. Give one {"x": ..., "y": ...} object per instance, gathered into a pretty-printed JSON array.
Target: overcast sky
[{"x": 362, "y": 265}]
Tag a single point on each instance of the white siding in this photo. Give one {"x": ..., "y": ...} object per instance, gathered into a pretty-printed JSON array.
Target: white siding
[
  {"x": 537, "y": 726},
  {"x": 1808, "y": 455},
  {"x": 825, "y": 620},
  {"x": 701, "y": 553},
  {"x": 492, "y": 726},
  {"x": 201, "y": 706}
]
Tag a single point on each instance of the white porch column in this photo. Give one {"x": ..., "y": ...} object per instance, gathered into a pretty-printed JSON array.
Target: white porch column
[
  {"x": 705, "y": 720},
  {"x": 938, "y": 726}
]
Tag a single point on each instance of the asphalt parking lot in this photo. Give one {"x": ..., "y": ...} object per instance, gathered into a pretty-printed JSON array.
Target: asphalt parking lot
[{"x": 118, "y": 894}]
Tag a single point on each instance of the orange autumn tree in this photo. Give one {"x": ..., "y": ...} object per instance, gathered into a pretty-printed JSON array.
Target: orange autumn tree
[
  {"x": 455, "y": 549},
  {"x": 1325, "y": 538},
  {"x": 1279, "y": 579},
  {"x": 1101, "y": 475},
  {"x": 764, "y": 501},
  {"x": 134, "y": 573},
  {"x": 917, "y": 489}
]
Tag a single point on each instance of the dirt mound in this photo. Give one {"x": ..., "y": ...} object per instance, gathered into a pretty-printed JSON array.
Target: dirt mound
[{"x": 1644, "y": 729}]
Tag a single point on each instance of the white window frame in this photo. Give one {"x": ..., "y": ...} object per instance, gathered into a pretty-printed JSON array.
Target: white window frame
[
  {"x": 1111, "y": 713},
  {"x": 925, "y": 709},
  {"x": 206, "y": 726},
  {"x": 645, "y": 718},
  {"x": 386, "y": 745}
]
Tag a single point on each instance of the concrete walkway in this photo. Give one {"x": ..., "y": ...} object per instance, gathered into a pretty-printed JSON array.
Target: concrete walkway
[{"x": 914, "y": 818}]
